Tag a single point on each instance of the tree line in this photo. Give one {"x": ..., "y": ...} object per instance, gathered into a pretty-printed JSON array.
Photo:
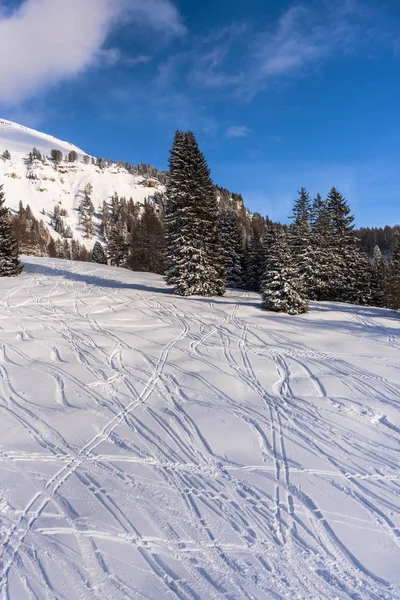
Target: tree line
[
  {"x": 317, "y": 257},
  {"x": 203, "y": 239}
]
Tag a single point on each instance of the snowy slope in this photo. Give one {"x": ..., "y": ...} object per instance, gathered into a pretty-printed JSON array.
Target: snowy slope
[
  {"x": 160, "y": 447},
  {"x": 65, "y": 184}
]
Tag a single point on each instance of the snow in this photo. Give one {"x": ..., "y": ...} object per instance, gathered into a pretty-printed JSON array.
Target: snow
[
  {"x": 20, "y": 140},
  {"x": 153, "y": 446},
  {"x": 64, "y": 185}
]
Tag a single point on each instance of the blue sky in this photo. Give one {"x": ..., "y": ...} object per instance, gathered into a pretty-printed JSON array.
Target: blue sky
[{"x": 279, "y": 94}]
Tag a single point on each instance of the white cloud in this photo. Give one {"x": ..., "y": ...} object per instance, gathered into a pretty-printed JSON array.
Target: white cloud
[
  {"x": 237, "y": 131},
  {"x": 46, "y": 41}
]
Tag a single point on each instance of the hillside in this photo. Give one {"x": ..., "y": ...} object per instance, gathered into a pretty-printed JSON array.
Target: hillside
[
  {"x": 154, "y": 447},
  {"x": 43, "y": 184}
]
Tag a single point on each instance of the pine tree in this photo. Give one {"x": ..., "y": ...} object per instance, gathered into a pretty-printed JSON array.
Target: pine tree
[
  {"x": 59, "y": 225},
  {"x": 281, "y": 285},
  {"x": 6, "y": 155},
  {"x": 98, "y": 254},
  {"x": 321, "y": 240},
  {"x": 66, "y": 250},
  {"x": 117, "y": 248},
  {"x": 51, "y": 249},
  {"x": 255, "y": 253},
  {"x": 378, "y": 278},
  {"x": 393, "y": 280},
  {"x": 345, "y": 257},
  {"x": 87, "y": 211},
  {"x": 194, "y": 253},
  {"x": 147, "y": 242},
  {"x": 174, "y": 214},
  {"x": 9, "y": 259},
  {"x": 362, "y": 291},
  {"x": 57, "y": 156},
  {"x": 105, "y": 220},
  {"x": 35, "y": 154},
  {"x": 232, "y": 247},
  {"x": 302, "y": 243},
  {"x": 72, "y": 156}
]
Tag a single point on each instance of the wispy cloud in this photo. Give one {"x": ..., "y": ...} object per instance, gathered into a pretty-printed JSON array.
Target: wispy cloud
[
  {"x": 237, "y": 131},
  {"x": 244, "y": 62},
  {"x": 110, "y": 57},
  {"x": 44, "y": 42},
  {"x": 302, "y": 39}
]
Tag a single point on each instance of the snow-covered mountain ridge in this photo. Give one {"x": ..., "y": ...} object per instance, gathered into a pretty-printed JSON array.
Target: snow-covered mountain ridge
[{"x": 42, "y": 184}]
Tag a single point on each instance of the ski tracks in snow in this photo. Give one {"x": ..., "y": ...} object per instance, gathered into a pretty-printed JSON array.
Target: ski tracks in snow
[{"x": 189, "y": 448}]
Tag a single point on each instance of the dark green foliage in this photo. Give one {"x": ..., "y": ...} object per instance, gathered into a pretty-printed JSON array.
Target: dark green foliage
[
  {"x": 386, "y": 238},
  {"x": 254, "y": 251},
  {"x": 35, "y": 155},
  {"x": 98, "y": 254},
  {"x": 378, "y": 278},
  {"x": 105, "y": 220},
  {"x": 34, "y": 238},
  {"x": 57, "y": 156},
  {"x": 281, "y": 286},
  {"x": 87, "y": 211},
  {"x": 117, "y": 248},
  {"x": 345, "y": 258},
  {"x": 393, "y": 280},
  {"x": 194, "y": 255},
  {"x": 177, "y": 189},
  {"x": 147, "y": 242},
  {"x": 301, "y": 242},
  {"x": 72, "y": 156},
  {"x": 231, "y": 239},
  {"x": 101, "y": 162},
  {"x": 9, "y": 251}
]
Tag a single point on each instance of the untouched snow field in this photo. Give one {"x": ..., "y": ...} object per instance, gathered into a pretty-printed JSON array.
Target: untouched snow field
[{"x": 159, "y": 447}]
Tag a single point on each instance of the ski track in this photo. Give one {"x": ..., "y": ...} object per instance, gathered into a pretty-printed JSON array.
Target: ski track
[{"x": 146, "y": 495}]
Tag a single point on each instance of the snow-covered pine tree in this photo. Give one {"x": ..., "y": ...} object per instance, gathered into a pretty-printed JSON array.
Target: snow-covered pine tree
[
  {"x": 349, "y": 282},
  {"x": 174, "y": 210},
  {"x": 231, "y": 239},
  {"x": 59, "y": 225},
  {"x": 281, "y": 285},
  {"x": 9, "y": 259},
  {"x": 194, "y": 253},
  {"x": 324, "y": 267},
  {"x": 378, "y": 278},
  {"x": 98, "y": 254},
  {"x": 302, "y": 243},
  {"x": 362, "y": 291}
]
